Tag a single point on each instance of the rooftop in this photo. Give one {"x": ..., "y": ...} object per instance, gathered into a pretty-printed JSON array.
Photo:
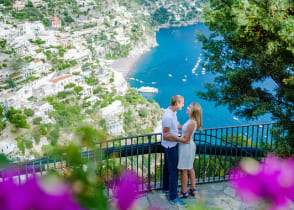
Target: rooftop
[{"x": 60, "y": 78}]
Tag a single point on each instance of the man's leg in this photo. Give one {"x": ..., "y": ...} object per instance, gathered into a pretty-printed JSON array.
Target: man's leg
[
  {"x": 165, "y": 177},
  {"x": 173, "y": 172}
]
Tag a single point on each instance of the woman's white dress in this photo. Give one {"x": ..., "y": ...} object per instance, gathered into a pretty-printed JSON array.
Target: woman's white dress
[{"x": 187, "y": 151}]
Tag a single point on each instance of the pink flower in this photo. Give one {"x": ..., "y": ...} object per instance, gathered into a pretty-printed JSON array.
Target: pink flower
[
  {"x": 36, "y": 193},
  {"x": 272, "y": 180},
  {"x": 126, "y": 190}
]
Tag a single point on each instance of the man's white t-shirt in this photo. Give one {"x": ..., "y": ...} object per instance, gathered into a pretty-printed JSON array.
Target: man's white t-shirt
[{"x": 169, "y": 120}]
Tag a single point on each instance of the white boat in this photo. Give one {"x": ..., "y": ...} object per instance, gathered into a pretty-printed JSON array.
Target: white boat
[
  {"x": 137, "y": 80},
  {"x": 141, "y": 81},
  {"x": 170, "y": 75},
  {"x": 185, "y": 76},
  {"x": 131, "y": 78},
  {"x": 147, "y": 89},
  {"x": 184, "y": 80},
  {"x": 153, "y": 83},
  {"x": 235, "y": 118}
]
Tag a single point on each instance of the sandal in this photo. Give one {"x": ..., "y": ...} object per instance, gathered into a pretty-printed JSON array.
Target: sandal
[
  {"x": 183, "y": 195},
  {"x": 192, "y": 192}
]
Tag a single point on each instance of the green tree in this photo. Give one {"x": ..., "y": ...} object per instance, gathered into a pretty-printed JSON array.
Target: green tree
[
  {"x": 160, "y": 16},
  {"x": 256, "y": 45},
  {"x": 37, "y": 120},
  {"x": 78, "y": 89},
  {"x": 68, "y": 19},
  {"x": 15, "y": 117},
  {"x": 53, "y": 136},
  {"x": 29, "y": 112},
  {"x": 143, "y": 112},
  {"x": 10, "y": 82},
  {"x": 3, "y": 43}
]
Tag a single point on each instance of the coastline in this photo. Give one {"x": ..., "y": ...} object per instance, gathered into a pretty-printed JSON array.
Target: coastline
[{"x": 126, "y": 65}]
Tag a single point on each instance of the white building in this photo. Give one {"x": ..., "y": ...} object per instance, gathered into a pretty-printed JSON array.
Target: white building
[
  {"x": 120, "y": 83},
  {"x": 114, "y": 109},
  {"x": 74, "y": 54},
  {"x": 19, "y": 5},
  {"x": 42, "y": 109},
  {"x": 10, "y": 100},
  {"x": 114, "y": 126},
  {"x": 87, "y": 91},
  {"x": 7, "y": 146},
  {"x": 36, "y": 68},
  {"x": 75, "y": 69}
]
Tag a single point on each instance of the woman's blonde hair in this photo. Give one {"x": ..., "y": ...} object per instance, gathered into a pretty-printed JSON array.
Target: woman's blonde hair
[{"x": 196, "y": 114}]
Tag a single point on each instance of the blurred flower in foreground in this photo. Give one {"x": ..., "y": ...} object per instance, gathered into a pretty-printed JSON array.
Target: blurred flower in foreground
[
  {"x": 271, "y": 180},
  {"x": 126, "y": 190},
  {"x": 36, "y": 193}
]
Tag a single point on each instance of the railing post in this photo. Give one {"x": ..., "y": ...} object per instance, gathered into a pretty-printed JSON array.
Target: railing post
[{"x": 149, "y": 161}]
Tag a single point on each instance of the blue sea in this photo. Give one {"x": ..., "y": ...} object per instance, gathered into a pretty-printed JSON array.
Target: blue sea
[{"x": 168, "y": 67}]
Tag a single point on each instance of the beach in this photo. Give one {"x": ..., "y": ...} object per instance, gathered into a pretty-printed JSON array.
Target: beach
[{"x": 125, "y": 65}]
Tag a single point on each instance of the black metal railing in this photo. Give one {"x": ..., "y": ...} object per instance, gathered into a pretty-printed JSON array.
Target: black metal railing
[{"x": 218, "y": 151}]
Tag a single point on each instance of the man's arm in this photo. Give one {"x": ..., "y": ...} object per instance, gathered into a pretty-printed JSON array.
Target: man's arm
[{"x": 185, "y": 139}]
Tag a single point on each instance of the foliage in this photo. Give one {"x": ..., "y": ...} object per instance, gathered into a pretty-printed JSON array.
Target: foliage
[
  {"x": 67, "y": 115},
  {"x": 128, "y": 117},
  {"x": 143, "y": 112},
  {"x": 102, "y": 124},
  {"x": 160, "y": 16},
  {"x": 29, "y": 112},
  {"x": 97, "y": 90},
  {"x": 78, "y": 89},
  {"x": 53, "y": 136},
  {"x": 257, "y": 45},
  {"x": 70, "y": 85},
  {"x": 92, "y": 81},
  {"x": 68, "y": 19},
  {"x": 3, "y": 43},
  {"x": 37, "y": 120},
  {"x": 15, "y": 117}
]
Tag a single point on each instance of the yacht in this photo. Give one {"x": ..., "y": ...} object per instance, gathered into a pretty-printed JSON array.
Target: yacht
[
  {"x": 235, "y": 118},
  {"x": 184, "y": 80},
  {"x": 170, "y": 75},
  {"x": 147, "y": 89}
]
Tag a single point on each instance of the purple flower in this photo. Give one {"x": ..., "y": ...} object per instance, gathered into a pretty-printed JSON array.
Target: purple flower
[
  {"x": 272, "y": 181},
  {"x": 126, "y": 190},
  {"x": 36, "y": 193}
]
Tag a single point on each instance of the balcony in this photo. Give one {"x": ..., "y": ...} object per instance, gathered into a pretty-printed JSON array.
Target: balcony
[{"x": 218, "y": 151}]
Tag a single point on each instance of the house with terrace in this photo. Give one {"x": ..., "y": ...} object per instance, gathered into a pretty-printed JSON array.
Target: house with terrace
[
  {"x": 36, "y": 68},
  {"x": 42, "y": 109},
  {"x": 12, "y": 100},
  {"x": 114, "y": 126},
  {"x": 113, "y": 118}
]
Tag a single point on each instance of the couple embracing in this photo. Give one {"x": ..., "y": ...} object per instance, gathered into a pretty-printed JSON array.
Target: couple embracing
[{"x": 179, "y": 152}]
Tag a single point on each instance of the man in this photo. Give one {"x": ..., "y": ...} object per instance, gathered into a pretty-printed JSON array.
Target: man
[{"x": 170, "y": 171}]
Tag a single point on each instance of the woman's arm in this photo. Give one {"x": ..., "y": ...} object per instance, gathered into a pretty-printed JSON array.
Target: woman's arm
[{"x": 184, "y": 139}]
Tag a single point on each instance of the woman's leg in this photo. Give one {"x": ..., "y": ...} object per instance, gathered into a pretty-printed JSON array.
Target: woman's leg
[
  {"x": 184, "y": 179},
  {"x": 193, "y": 182},
  {"x": 192, "y": 178}
]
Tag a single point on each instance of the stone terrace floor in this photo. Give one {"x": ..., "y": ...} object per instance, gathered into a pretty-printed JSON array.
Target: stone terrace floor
[{"x": 216, "y": 196}]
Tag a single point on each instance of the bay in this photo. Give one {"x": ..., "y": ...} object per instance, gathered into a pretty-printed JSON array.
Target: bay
[{"x": 168, "y": 67}]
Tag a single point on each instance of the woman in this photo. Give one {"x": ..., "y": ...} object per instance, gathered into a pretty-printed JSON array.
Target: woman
[{"x": 187, "y": 149}]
